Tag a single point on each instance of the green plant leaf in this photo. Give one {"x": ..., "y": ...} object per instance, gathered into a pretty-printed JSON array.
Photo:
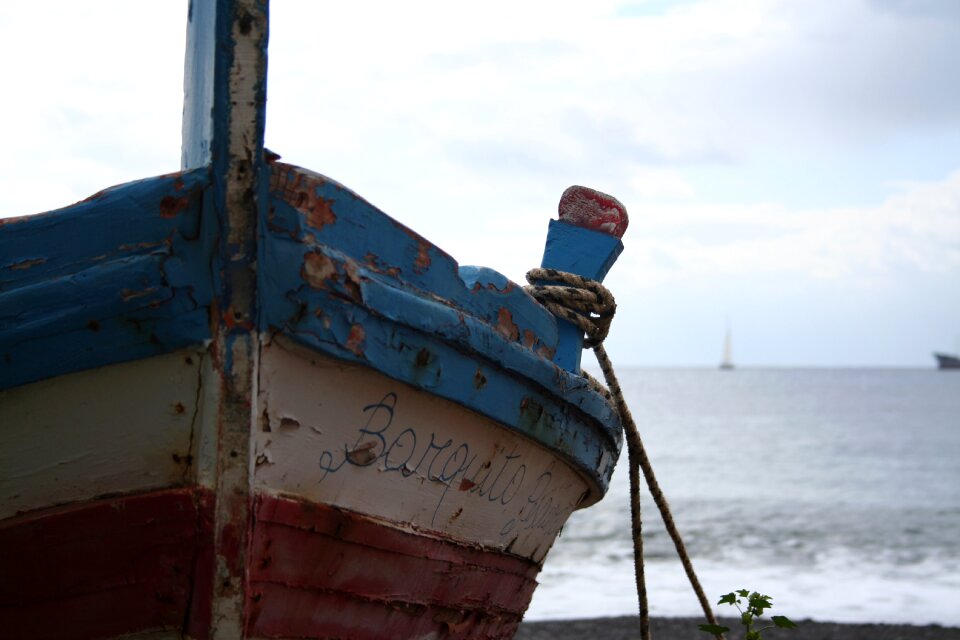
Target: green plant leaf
[
  {"x": 744, "y": 593},
  {"x": 730, "y": 598},
  {"x": 758, "y": 602},
  {"x": 715, "y": 629},
  {"x": 783, "y": 622}
]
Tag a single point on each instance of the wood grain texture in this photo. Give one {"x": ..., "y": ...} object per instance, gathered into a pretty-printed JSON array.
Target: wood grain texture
[{"x": 322, "y": 572}]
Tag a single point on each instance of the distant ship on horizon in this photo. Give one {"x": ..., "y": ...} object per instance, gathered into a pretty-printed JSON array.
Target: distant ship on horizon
[{"x": 947, "y": 360}]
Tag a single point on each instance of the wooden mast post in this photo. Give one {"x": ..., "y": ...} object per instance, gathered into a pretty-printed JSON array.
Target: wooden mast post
[{"x": 223, "y": 127}]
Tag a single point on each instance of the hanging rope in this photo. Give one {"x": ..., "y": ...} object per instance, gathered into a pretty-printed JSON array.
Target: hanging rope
[{"x": 590, "y": 306}]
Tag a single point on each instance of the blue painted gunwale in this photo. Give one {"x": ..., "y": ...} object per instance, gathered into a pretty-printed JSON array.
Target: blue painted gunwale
[
  {"x": 584, "y": 252},
  {"x": 119, "y": 276},
  {"x": 127, "y": 274},
  {"x": 341, "y": 277}
]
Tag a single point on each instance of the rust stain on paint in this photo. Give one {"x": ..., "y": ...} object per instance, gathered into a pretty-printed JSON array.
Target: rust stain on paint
[
  {"x": 355, "y": 339},
  {"x": 318, "y": 210},
  {"x": 138, "y": 246},
  {"x": 529, "y": 338},
  {"x": 129, "y": 295},
  {"x": 26, "y": 264},
  {"x": 479, "y": 380},
  {"x": 352, "y": 281},
  {"x": 374, "y": 263},
  {"x": 506, "y": 326},
  {"x": 171, "y": 206},
  {"x": 231, "y": 318},
  {"x": 422, "y": 262},
  {"x": 546, "y": 352},
  {"x": 301, "y": 192}
]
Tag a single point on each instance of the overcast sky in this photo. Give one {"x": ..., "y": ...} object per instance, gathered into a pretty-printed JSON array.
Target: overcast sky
[{"x": 791, "y": 168}]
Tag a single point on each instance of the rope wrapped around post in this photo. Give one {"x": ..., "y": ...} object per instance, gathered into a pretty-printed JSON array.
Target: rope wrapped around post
[
  {"x": 580, "y": 301},
  {"x": 590, "y": 306}
]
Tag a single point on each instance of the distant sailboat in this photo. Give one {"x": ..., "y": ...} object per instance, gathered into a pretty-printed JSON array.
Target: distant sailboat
[{"x": 727, "y": 362}]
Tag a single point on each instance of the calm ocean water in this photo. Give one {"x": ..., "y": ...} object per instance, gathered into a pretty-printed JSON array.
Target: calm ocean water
[{"x": 835, "y": 491}]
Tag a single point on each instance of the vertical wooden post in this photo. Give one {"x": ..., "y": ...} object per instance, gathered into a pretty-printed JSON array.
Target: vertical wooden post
[{"x": 223, "y": 126}]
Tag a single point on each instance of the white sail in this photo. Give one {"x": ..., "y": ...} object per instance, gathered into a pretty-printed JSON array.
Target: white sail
[{"x": 727, "y": 362}]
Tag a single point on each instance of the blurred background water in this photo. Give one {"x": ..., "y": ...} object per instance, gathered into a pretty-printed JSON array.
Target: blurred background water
[{"x": 836, "y": 491}]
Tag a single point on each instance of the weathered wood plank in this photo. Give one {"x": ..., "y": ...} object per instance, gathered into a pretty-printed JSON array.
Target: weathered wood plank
[{"x": 225, "y": 107}]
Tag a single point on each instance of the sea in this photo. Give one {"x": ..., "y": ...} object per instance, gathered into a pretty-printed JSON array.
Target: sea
[{"x": 834, "y": 491}]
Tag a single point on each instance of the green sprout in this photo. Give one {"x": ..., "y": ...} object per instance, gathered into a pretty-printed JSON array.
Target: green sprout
[{"x": 756, "y": 604}]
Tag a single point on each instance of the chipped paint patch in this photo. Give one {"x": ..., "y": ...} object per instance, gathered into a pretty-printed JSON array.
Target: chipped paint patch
[
  {"x": 127, "y": 295},
  {"x": 479, "y": 380},
  {"x": 170, "y": 206},
  {"x": 26, "y": 264},
  {"x": 355, "y": 339},
  {"x": 317, "y": 270},
  {"x": 318, "y": 210},
  {"x": 529, "y": 338},
  {"x": 546, "y": 352},
  {"x": 422, "y": 262},
  {"x": 301, "y": 192},
  {"x": 506, "y": 326}
]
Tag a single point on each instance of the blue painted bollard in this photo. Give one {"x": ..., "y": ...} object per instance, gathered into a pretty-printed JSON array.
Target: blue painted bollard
[{"x": 585, "y": 241}]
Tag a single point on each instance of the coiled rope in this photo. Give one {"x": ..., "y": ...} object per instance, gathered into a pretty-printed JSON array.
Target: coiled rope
[{"x": 590, "y": 306}]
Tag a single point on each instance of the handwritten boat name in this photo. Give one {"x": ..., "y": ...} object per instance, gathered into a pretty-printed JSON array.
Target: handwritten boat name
[{"x": 528, "y": 498}]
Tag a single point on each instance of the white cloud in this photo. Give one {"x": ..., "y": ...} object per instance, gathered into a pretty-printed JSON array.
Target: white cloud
[
  {"x": 916, "y": 229},
  {"x": 466, "y": 122}
]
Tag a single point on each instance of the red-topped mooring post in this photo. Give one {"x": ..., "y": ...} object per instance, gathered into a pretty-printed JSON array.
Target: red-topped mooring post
[{"x": 585, "y": 241}]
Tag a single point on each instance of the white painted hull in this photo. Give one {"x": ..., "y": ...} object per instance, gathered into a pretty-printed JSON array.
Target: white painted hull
[
  {"x": 328, "y": 432},
  {"x": 343, "y": 435}
]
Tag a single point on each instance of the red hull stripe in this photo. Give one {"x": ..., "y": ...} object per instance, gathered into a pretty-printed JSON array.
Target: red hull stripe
[
  {"x": 317, "y": 571},
  {"x": 106, "y": 568}
]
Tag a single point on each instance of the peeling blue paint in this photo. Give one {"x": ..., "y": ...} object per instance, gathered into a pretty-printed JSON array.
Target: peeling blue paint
[
  {"x": 129, "y": 274},
  {"x": 586, "y": 253},
  {"x": 119, "y": 276},
  {"x": 360, "y": 273}
]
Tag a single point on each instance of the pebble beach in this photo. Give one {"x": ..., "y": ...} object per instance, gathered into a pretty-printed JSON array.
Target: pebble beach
[{"x": 628, "y": 627}]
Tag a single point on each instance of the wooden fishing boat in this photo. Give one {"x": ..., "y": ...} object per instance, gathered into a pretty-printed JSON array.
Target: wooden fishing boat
[{"x": 238, "y": 401}]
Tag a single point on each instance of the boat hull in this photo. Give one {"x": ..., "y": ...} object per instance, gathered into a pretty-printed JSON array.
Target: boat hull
[
  {"x": 139, "y": 565},
  {"x": 378, "y": 510},
  {"x": 947, "y": 361},
  {"x": 404, "y": 457}
]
